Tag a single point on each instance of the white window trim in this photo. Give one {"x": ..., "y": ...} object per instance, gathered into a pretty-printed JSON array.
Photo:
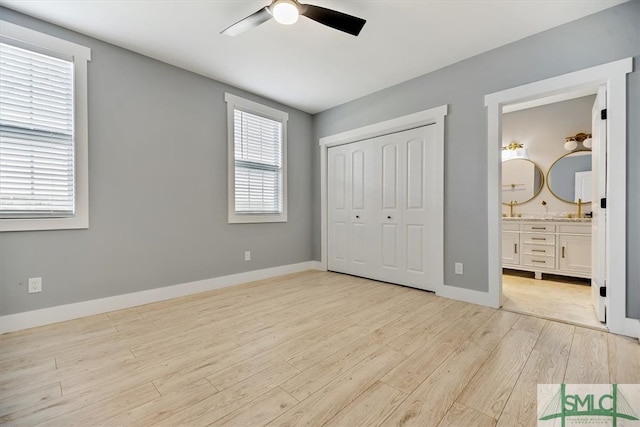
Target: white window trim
[
  {"x": 235, "y": 102},
  {"x": 81, "y": 55}
]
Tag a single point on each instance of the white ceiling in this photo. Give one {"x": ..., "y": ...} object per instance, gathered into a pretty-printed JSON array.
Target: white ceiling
[{"x": 307, "y": 65}]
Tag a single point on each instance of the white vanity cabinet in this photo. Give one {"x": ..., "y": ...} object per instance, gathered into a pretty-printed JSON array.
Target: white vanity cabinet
[
  {"x": 551, "y": 247},
  {"x": 510, "y": 244},
  {"x": 574, "y": 246}
]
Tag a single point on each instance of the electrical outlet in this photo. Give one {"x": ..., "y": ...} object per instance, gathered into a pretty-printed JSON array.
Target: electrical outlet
[
  {"x": 247, "y": 255},
  {"x": 459, "y": 269},
  {"x": 35, "y": 285}
]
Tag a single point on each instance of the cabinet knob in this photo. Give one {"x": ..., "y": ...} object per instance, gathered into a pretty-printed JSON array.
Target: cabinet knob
[
  {"x": 357, "y": 216},
  {"x": 388, "y": 216}
]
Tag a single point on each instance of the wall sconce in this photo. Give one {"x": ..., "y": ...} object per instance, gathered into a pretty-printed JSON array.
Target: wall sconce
[
  {"x": 515, "y": 150},
  {"x": 571, "y": 142}
]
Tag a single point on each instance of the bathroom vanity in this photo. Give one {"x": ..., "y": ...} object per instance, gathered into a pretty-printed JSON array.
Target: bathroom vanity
[{"x": 557, "y": 246}]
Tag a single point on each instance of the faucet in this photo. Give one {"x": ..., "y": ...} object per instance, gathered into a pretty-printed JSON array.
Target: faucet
[
  {"x": 579, "y": 209},
  {"x": 511, "y": 204}
]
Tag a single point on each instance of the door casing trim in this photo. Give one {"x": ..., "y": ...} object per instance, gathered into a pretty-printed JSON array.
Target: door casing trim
[{"x": 613, "y": 76}]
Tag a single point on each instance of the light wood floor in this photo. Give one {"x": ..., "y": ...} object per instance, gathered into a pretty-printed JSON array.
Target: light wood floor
[
  {"x": 556, "y": 298},
  {"x": 313, "y": 348}
]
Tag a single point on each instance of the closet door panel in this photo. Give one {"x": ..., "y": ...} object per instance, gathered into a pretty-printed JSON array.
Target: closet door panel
[
  {"x": 350, "y": 237},
  {"x": 338, "y": 209},
  {"x": 415, "y": 208},
  {"x": 357, "y": 243},
  {"x": 389, "y": 176},
  {"x": 357, "y": 180},
  {"x": 339, "y": 248},
  {"x": 359, "y": 216},
  {"x": 415, "y": 174},
  {"x": 337, "y": 170},
  {"x": 388, "y": 212},
  {"x": 389, "y": 246},
  {"x": 432, "y": 214},
  {"x": 415, "y": 249}
]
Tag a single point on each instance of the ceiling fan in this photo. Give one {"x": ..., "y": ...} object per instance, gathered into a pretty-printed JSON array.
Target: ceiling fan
[{"x": 287, "y": 12}]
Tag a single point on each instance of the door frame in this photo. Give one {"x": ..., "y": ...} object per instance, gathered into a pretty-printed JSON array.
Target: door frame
[
  {"x": 433, "y": 116},
  {"x": 613, "y": 75}
]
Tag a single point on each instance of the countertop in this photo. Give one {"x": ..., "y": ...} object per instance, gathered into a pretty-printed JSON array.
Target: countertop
[{"x": 534, "y": 219}]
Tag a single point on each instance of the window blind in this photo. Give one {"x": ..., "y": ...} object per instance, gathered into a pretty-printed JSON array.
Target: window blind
[
  {"x": 258, "y": 164},
  {"x": 36, "y": 135}
]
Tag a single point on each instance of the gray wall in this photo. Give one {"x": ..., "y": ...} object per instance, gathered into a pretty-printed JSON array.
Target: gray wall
[
  {"x": 607, "y": 36},
  {"x": 158, "y": 190}
]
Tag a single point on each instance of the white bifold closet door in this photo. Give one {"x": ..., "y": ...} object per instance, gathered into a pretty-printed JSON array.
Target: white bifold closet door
[{"x": 381, "y": 205}]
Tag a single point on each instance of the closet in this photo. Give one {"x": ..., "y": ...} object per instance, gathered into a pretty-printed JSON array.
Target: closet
[{"x": 384, "y": 216}]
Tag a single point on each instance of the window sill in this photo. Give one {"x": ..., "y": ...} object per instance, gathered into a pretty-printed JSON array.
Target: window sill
[
  {"x": 252, "y": 219},
  {"x": 41, "y": 224}
]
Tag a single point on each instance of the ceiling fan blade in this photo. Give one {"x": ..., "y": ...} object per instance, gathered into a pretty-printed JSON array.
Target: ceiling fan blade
[
  {"x": 334, "y": 19},
  {"x": 251, "y": 21}
]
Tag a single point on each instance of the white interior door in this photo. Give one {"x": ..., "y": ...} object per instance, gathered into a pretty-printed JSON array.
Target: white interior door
[
  {"x": 389, "y": 156},
  {"x": 421, "y": 250},
  {"x": 349, "y": 209},
  {"x": 339, "y": 213},
  {"x": 598, "y": 192}
]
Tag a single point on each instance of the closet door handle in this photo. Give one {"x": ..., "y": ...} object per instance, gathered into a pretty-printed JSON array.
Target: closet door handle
[
  {"x": 515, "y": 248},
  {"x": 563, "y": 252}
]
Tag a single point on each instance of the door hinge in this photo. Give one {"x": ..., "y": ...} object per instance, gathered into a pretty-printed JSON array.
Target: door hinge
[
  {"x": 603, "y": 114},
  {"x": 603, "y": 203},
  {"x": 603, "y": 291}
]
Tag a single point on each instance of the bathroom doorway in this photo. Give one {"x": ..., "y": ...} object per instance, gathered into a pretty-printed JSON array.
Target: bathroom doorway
[
  {"x": 547, "y": 165},
  {"x": 613, "y": 76}
]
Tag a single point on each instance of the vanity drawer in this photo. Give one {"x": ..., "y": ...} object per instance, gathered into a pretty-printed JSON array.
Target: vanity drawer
[
  {"x": 575, "y": 228},
  {"x": 539, "y": 238},
  {"x": 538, "y": 261},
  {"x": 539, "y": 228},
  {"x": 510, "y": 226},
  {"x": 539, "y": 250}
]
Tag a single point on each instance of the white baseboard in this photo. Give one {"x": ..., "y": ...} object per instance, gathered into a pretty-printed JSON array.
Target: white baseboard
[
  {"x": 317, "y": 265},
  {"x": 466, "y": 295},
  {"x": 46, "y": 316}
]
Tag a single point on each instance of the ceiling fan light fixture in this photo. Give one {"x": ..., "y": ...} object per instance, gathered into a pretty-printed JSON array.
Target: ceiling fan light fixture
[
  {"x": 288, "y": 11},
  {"x": 285, "y": 12}
]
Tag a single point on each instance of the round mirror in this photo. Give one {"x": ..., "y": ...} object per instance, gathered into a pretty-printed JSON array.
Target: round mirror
[
  {"x": 522, "y": 180},
  {"x": 569, "y": 178}
]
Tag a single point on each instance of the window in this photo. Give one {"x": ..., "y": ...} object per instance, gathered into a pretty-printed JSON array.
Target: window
[
  {"x": 257, "y": 162},
  {"x": 43, "y": 131}
]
